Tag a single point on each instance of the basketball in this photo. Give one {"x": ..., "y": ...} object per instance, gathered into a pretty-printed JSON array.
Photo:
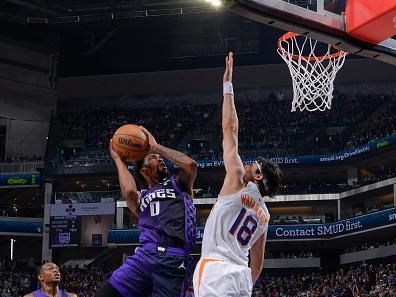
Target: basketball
[{"x": 130, "y": 142}]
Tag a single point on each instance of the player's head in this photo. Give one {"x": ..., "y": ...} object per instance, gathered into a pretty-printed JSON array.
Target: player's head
[
  {"x": 49, "y": 273},
  {"x": 153, "y": 168},
  {"x": 265, "y": 174}
]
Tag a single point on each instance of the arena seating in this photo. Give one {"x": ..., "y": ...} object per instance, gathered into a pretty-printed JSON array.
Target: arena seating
[
  {"x": 19, "y": 277},
  {"x": 371, "y": 245},
  {"x": 21, "y": 159},
  {"x": 266, "y": 127},
  {"x": 364, "y": 280},
  {"x": 288, "y": 254}
]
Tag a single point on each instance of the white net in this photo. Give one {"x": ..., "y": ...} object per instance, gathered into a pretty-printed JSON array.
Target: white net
[{"x": 312, "y": 74}]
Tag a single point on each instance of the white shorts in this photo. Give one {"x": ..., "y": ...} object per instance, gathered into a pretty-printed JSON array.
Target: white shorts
[{"x": 218, "y": 278}]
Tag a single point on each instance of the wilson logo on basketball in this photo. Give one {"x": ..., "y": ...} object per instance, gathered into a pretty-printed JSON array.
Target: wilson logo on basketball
[{"x": 129, "y": 142}]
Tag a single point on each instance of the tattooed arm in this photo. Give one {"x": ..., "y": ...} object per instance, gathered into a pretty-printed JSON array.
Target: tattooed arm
[{"x": 187, "y": 166}]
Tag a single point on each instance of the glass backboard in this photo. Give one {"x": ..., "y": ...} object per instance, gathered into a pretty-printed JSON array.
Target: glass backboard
[
  {"x": 334, "y": 8},
  {"x": 322, "y": 20}
]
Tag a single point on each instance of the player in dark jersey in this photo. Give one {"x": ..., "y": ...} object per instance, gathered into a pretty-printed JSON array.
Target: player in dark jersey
[
  {"x": 49, "y": 277},
  {"x": 162, "y": 266}
]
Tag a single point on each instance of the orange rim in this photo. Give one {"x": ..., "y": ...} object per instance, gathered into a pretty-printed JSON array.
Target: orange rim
[{"x": 290, "y": 35}]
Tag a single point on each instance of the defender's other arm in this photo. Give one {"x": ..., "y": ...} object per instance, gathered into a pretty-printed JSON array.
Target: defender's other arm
[{"x": 257, "y": 257}]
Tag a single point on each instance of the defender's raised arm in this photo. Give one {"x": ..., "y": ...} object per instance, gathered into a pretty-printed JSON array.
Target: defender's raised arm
[{"x": 233, "y": 181}]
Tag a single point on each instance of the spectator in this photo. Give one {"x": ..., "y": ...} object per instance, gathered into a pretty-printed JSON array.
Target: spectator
[{"x": 363, "y": 281}]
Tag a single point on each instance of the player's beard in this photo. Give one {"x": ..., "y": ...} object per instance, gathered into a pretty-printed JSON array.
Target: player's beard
[{"x": 162, "y": 172}]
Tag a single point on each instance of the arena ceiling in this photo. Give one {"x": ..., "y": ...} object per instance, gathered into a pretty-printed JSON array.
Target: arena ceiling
[
  {"x": 90, "y": 42},
  {"x": 61, "y": 8},
  {"x": 64, "y": 8},
  {"x": 121, "y": 36}
]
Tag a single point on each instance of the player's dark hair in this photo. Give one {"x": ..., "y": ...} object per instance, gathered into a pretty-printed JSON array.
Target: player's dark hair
[
  {"x": 272, "y": 177},
  {"x": 139, "y": 178},
  {"x": 41, "y": 268}
]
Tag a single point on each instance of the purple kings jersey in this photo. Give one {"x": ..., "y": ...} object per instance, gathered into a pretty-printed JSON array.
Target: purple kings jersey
[
  {"x": 61, "y": 293},
  {"x": 167, "y": 216}
]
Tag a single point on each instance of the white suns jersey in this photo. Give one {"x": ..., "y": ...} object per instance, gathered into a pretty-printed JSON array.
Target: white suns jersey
[{"x": 234, "y": 225}]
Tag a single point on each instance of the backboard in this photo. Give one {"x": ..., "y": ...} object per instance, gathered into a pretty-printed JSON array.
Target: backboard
[{"x": 323, "y": 20}]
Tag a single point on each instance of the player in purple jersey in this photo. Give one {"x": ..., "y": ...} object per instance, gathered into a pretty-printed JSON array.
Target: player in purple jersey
[
  {"x": 49, "y": 277},
  {"x": 162, "y": 266}
]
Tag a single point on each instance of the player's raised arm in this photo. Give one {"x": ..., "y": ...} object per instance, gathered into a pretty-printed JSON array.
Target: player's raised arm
[
  {"x": 233, "y": 181},
  {"x": 187, "y": 166},
  {"x": 127, "y": 182}
]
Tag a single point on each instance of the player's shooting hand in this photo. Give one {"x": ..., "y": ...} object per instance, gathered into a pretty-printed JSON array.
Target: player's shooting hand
[
  {"x": 114, "y": 155},
  {"x": 229, "y": 61},
  {"x": 152, "y": 142}
]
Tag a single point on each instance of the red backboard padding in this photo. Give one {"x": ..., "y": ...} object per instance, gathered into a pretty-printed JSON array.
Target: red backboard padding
[{"x": 371, "y": 20}]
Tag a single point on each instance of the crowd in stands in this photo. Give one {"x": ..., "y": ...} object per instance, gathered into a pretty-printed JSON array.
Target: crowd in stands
[
  {"x": 27, "y": 212},
  {"x": 287, "y": 134},
  {"x": 83, "y": 281},
  {"x": 21, "y": 159},
  {"x": 382, "y": 174},
  {"x": 381, "y": 125},
  {"x": 289, "y": 254},
  {"x": 271, "y": 125},
  {"x": 311, "y": 188},
  {"x": 96, "y": 128},
  {"x": 21, "y": 164},
  {"x": 369, "y": 207},
  {"x": 84, "y": 136},
  {"x": 362, "y": 281},
  {"x": 296, "y": 220},
  {"x": 371, "y": 245},
  {"x": 19, "y": 277},
  {"x": 88, "y": 160},
  {"x": 86, "y": 197},
  {"x": 365, "y": 209},
  {"x": 312, "y": 218},
  {"x": 267, "y": 127},
  {"x": 211, "y": 191},
  {"x": 322, "y": 188}
]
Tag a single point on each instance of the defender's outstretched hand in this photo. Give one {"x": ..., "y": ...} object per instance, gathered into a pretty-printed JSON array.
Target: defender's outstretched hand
[{"x": 229, "y": 61}]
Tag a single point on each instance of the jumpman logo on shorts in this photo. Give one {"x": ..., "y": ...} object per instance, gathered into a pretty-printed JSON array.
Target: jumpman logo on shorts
[{"x": 182, "y": 266}]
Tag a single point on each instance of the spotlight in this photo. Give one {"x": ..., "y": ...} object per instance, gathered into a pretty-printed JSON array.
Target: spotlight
[{"x": 215, "y": 3}]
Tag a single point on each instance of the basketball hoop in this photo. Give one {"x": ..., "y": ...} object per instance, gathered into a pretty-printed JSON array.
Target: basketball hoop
[{"x": 313, "y": 75}]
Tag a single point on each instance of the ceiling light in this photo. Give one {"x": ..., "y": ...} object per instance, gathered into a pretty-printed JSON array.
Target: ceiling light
[{"x": 215, "y": 3}]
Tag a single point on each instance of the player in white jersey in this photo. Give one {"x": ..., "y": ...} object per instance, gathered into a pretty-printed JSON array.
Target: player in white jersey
[{"x": 238, "y": 222}]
